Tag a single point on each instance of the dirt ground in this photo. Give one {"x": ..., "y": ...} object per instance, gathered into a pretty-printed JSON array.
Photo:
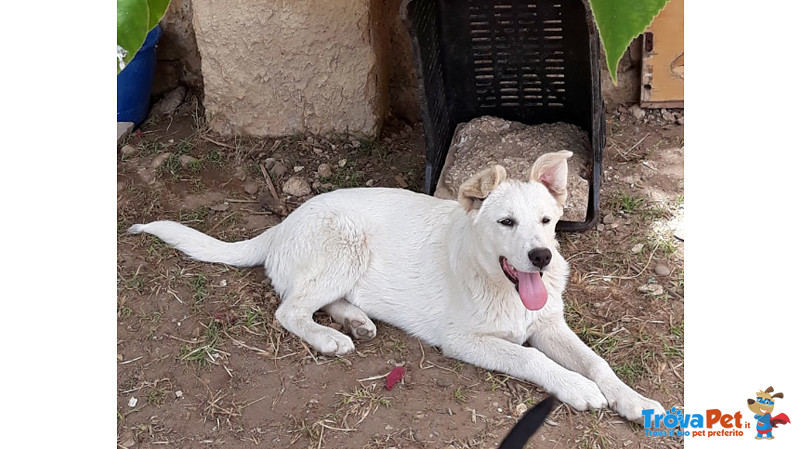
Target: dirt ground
[{"x": 202, "y": 363}]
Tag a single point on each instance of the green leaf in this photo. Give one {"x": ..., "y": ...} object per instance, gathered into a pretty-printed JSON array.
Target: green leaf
[
  {"x": 133, "y": 19},
  {"x": 157, "y": 10},
  {"x": 619, "y": 22}
]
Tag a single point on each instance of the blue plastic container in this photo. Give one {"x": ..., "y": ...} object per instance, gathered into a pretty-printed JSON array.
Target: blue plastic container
[{"x": 136, "y": 80}]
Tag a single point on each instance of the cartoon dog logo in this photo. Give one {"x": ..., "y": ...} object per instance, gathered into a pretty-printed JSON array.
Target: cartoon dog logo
[{"x": 762, "y": 407}]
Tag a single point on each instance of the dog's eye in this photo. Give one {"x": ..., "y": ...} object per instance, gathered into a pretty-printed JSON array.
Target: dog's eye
[
  {"x": 545, "y": 220},
  {"x": 507, "y": 222}
]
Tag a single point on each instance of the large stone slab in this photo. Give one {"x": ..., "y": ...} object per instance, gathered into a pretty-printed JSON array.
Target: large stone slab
[{"x": 276, "y": 67}]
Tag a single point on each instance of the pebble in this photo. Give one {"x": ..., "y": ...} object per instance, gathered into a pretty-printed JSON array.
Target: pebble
[
  {"x": 637, "y": 112},
  {"x": 179, "y": 394},
  {"x": 251, "y": 187},
  {"x": 278, "y": 170},
  {"x": 608, "y": 218},
  {"x": 298, "y": 168},
  {"x": 132, "y": 402},
  {"x": 637, "y": 248},
  {"x": 651, "y": 289},
  {"x": 601, "y": 227},
  {"x": 240, "y": 173},
  {"x": 324, "y": 171},
  {"x": 186, "y": 160},
  {"x": 401, "y": 182},
  {"x": 444, "y": 383},
  {"x": 160, "y": 159},
  {"x": 269, "y": 163},
  {"x": 128, "y": 150},
  {"x": 680, "y": 120},
  {"x": 662, "y": 270},
  {"x": 342, "y": 162},
  {"x": 296, "y": 186},
  {"x": 370, "y": 183},
  {"x": 520, "y": 409}
]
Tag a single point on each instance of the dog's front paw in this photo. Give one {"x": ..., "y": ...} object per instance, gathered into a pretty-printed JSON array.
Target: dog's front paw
[
  {"x": 579, "y": 392},
  {"x": 629, "y": 404}
]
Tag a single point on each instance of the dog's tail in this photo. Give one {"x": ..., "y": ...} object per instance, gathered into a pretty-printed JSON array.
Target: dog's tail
[{"x": 204, "y": 248}]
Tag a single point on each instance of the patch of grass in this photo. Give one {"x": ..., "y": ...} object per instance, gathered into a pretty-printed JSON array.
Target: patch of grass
[
  {"x": 198, "y": 284},
  {"x": 150, "y": 147},
  {"x": 198, "y": 215},
  {"x": 627, "y": 203},
  {"x": 360, "y": 402},
  {"x": 156, "y": 248},
  {"x": 215, "y": 157},
  {"x": 205, "y": 352},
  {"x": 459, "y": 396},
  {"x": 630, "y": 371},
  {"x": 156, "y": 396},
  {"x": 595, "y": 437},
  {"x": 497, "y": 381},
  {"x": 346, "y": 177}
]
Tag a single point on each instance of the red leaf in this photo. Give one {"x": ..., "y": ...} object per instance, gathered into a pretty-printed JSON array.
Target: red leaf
[{"x": 394, "y": 377}]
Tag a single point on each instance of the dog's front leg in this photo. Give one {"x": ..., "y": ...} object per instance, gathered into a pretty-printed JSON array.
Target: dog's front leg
[
  {"x": 554, "y": 338},
  {"x": 530, "y": 364}
]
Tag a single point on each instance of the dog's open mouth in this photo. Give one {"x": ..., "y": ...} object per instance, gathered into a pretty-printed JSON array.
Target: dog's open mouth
[{"x": 530, "y": 287}]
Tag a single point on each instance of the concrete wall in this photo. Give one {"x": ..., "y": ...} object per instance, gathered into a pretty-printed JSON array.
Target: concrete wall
[{"x": 277, "y": 67}]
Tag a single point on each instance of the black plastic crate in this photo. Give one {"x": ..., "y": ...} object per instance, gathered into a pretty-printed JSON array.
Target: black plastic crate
[{"x": 523, "y": 60}]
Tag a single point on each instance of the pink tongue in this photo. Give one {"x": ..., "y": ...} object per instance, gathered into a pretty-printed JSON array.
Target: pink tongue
[{"x": 532, "y": 290}]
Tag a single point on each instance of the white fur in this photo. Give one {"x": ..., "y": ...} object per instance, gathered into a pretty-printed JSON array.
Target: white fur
[{"x": 431, "y": 268}]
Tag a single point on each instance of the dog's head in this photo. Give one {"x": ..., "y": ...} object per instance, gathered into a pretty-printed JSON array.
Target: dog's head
[
  {"x": 764, "y": 402},
  {"x": 515, "y": 221}
]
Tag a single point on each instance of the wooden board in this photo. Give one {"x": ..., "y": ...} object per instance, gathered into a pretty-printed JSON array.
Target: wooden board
[{"x": 662, "y": 59}]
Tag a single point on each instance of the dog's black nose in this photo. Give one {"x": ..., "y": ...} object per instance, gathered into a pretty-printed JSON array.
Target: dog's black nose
[{"x": 540, "y": 257}]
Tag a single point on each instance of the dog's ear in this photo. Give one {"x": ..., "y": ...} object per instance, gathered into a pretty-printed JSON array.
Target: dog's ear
[
  {"x": 777, "y": 395},
  {"x": 551, "y": 171},
  {"x": 472, "y": 193},
  {"x": 768, "y": 390}
]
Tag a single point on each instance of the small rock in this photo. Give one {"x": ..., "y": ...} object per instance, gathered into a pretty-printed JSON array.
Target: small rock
[
  {"x": 179, "y": 394},
  {"x": 324, "y": 171},
  {"x": 240, "y": 173},
  {"x": 355, "y": 143},
  {"x": 520, "y": 409},
  {"x": 221, "y": 207},
  {"x": 667, "y": 116},
  {"x": 601, "y": 227},
  {"x": 662, "y": 270},
  {"x": 169, "y": 102},
  {"x": 296, "y": 186},
  {"x": 342, "y": 162},
  {"x": 269, "y": 162},
  {"x": 637, "y": 248},
  {"x": 444, "y": 383},
  {"x": 278, "y": 170},
  {"x": 128, "y": 150},
  {"x": 187, "y": 160},
  {"x": 370, "y": 183},
  {"x": 128, "y": 443},
  {"x": 160, "y": 159},
  {"x": 608, "y": 218},
  {"x": 132, "y": 402},
  {"x": 637, "y": 112},
  {"x": 147, "y": 175},
  {"x": 651, "y": 289},
  {"x": 316, "y": 185},
  {"x": 679, "y": 120},
  {"x": 251, "y": 187},
  {"x": 298, "y": 168},
  {"x": 317, "y": 151}
]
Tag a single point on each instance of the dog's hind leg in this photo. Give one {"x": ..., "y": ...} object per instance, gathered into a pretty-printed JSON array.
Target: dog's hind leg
[
  {"x": 352, "y": 318},
  {"x": 295, "y": 315},
  {"x": 326, "y": 257}
]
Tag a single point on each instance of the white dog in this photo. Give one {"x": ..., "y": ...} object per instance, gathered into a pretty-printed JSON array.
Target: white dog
[{"x": 477, "y": 277}]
